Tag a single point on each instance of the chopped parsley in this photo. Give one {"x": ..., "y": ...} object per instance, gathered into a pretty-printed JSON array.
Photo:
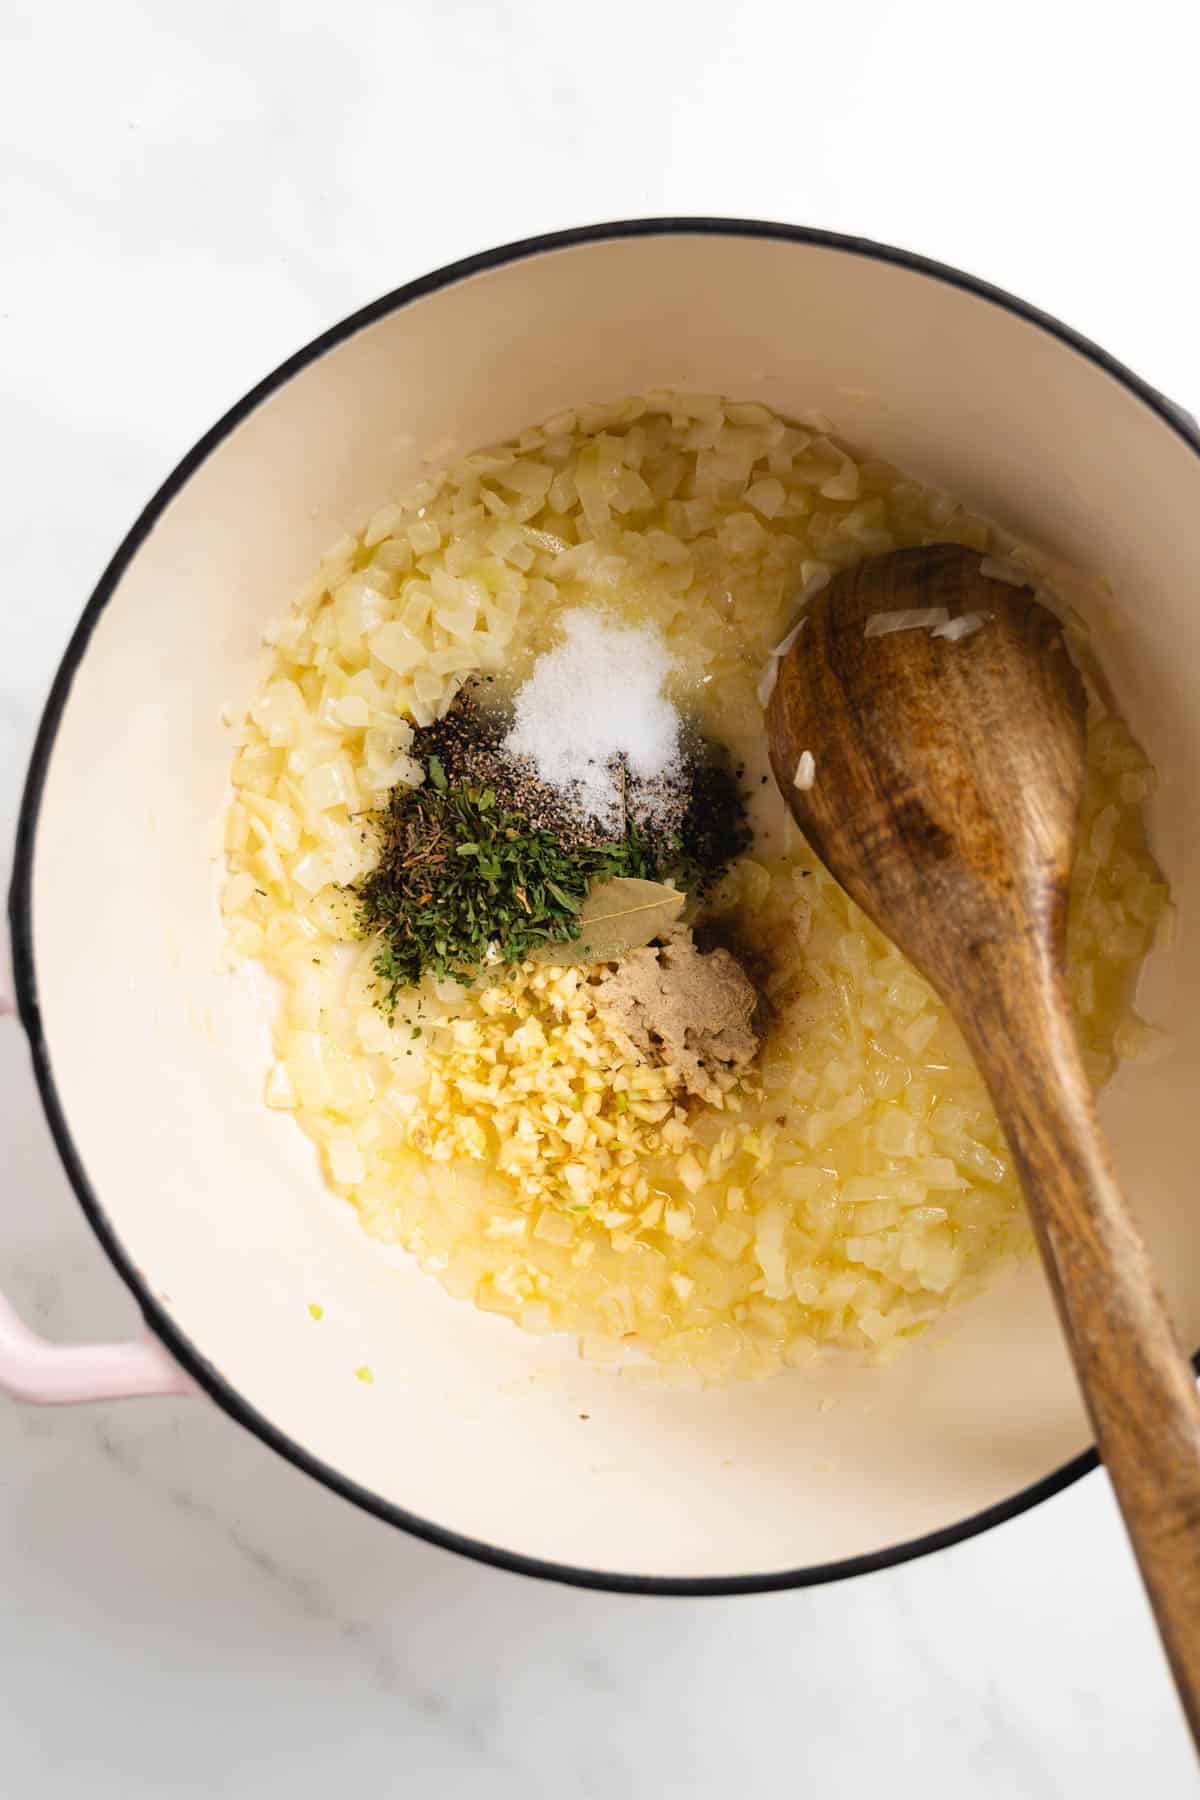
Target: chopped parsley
[{"x": 458, "y": 874}]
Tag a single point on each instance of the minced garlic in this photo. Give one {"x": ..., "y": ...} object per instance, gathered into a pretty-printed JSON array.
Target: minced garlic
[{"x": 532, "y": 1080}]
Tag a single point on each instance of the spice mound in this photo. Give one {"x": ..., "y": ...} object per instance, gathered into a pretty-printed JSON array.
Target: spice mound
[
  {"x": 468, "y": 746},
  {"x": 483, "y": 857},
  {"x": 686, "y": 1010},
  {"x": 595, "y": 722},
  {"x": 460, "y": 883}
]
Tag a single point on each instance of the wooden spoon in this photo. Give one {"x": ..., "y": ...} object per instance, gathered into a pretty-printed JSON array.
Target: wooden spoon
[{"x": 946, "y": 778}]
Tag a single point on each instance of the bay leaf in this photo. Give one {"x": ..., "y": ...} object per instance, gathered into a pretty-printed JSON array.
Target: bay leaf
[{"x": 618, "y": 915}]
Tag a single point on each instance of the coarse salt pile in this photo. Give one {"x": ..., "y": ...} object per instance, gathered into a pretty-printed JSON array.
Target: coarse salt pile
[{"x": 595, "y": 705}]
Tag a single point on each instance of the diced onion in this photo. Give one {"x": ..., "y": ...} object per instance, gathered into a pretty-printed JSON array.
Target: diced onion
[
  {"x": 866, "y": 1183},
  {"x": 964, "y": 626},
  {"x": 912, "y": 618}
]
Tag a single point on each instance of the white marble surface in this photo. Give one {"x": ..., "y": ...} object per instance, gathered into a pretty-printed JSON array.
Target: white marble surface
[{"x": 188, "y": 193}]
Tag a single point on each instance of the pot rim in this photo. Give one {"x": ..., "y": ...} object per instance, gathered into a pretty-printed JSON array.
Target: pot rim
[{"x": 21, "y": 920}]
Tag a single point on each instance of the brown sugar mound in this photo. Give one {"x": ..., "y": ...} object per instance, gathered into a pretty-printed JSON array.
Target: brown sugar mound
[{"x": 691, "y": 1011}]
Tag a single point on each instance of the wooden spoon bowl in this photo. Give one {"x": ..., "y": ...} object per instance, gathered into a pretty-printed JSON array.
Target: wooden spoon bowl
[{"x": 941, "y": 768}]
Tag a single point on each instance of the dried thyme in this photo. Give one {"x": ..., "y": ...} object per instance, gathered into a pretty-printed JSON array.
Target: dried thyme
[
  {"x": 464, "y": 878},
  {"x": 457, "y": 875}
]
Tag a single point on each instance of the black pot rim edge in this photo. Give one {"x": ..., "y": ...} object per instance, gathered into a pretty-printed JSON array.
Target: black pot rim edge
[{"x": 201, "y": 1371}]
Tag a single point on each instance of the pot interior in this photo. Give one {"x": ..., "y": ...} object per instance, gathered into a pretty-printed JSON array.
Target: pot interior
[{"x": 157, "y": 1057}]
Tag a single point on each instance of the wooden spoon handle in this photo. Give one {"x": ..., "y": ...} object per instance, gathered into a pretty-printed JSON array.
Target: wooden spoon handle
[{"x": 1138, "y": 1385}]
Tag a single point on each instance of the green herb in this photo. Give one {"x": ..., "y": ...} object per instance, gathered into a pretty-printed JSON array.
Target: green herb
[{"x": 458, "y": 874}]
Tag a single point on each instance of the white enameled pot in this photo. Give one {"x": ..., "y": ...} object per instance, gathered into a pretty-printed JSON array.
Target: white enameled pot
[{"x": 151, "y": 1061}]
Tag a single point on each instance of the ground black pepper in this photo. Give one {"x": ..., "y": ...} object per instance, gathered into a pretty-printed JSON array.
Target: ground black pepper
[
  {"x": 486, "y": 853},
  {"x": 713, "y": 830},
  {"x": 469, "y": 745}
]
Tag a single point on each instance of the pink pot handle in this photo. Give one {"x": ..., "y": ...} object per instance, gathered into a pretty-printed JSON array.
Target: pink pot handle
[{"x": 46, "y": 1374}]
